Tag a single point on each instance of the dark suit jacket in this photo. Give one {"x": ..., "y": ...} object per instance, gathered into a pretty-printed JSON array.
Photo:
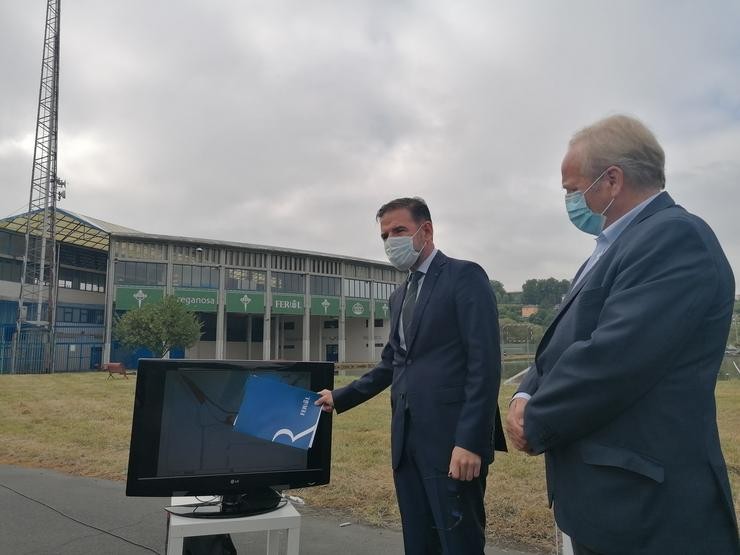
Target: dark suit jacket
[
  {"x": 447, "y": 380},
  {"x": 623, "y": 393}
]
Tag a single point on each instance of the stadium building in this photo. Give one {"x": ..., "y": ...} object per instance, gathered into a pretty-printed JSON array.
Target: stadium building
[{"x": 255, "y": 302}]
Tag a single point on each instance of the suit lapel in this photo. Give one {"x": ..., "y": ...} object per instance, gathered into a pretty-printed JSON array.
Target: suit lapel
[
  {"x": 396, "y": 305},
  {"x": 430, "y": 279},
  {"x": 660, "y": 202}
]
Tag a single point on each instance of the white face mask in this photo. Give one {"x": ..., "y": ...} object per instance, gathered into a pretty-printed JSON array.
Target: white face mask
[{"x": 400, "y": 251}]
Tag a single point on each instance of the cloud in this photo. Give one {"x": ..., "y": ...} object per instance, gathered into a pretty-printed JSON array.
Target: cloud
[{"x": 287, "y": 123}]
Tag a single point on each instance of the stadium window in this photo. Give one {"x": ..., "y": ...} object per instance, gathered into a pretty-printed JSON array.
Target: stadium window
[
  {"x": 284, "y": 282},
  {"x": 244, "y": 280},
  {"x": 208, "y": 329},
  {"x": 331, "y": 324},
  {"x": 139, "y": 273},
  {"x": 196, "y": 276},
  {"x": 10, "y": 270},
  {"x": 187, "y": 276},
  {"x": 357, "y": 288},
  {"x": 67, "y": 314},
  {"x": 236, "y": 328},
  {"x": 258, "y": 329},
  {"x": 323, "y": 285}
]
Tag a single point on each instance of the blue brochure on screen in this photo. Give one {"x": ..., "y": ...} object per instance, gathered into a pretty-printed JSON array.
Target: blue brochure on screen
[{"x": 278, "y": 412}]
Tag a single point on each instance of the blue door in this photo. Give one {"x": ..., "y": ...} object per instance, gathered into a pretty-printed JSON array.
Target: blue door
[{"x": 332, "y": 353}]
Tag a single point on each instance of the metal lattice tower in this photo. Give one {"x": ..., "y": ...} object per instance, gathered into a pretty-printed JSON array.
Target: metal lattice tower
[{"x": 38, "y": 279}]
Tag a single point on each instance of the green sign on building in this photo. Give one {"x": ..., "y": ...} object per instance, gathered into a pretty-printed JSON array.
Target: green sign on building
[
  {"x": 128, "y": 298},
  {"x": 198, "y": 300},
  {"x": 325, "y": 306},
  {"x": 357, "y": 308},
  {"x": 288, "y": 304},
  {"x": 245, "y": 302},
  {"x": 382, "y": 310}
]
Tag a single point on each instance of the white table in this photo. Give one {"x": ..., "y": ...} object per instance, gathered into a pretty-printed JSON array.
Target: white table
[{"x": 284, "y": 518}]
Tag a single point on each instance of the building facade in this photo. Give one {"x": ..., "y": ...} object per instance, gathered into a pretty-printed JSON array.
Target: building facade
[{"x": 254, "y": 302}]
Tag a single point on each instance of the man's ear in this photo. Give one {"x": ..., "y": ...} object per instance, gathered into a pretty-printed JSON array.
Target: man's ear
[
  {"x": 429, "y": 232},
  {"x": 615, "y": 175}
]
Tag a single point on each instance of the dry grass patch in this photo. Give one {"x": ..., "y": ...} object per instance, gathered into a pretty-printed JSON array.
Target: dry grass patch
[
  {"x": 75, "y": 423},
  {"x": 81, "y": 424}
]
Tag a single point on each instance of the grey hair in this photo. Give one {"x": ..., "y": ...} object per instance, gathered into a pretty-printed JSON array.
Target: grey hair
[{"x": 626, "y": 142}]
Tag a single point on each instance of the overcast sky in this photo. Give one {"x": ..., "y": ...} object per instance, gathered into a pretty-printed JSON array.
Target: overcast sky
[{"x": 289, "y": 123}]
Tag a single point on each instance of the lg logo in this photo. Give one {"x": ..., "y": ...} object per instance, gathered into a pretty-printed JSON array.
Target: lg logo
[{"x": 233, "y": 482}]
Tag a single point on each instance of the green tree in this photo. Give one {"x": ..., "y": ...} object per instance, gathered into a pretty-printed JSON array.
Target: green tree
[
  {"x": 498, "y": 290},
  {"x": 543, "y": 317},
  {"x": 511, "y": 312},
  {"x": 544, "y": 292},
  {"x": 159, "y": 327}
]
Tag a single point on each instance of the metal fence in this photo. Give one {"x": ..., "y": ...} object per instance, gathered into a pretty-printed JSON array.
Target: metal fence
[{"x": 75, "y": 348}]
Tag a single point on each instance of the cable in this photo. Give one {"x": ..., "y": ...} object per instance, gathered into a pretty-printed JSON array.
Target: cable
[
  {"x": 79, "y": 521},
  {"x": 14, "y": 212}
]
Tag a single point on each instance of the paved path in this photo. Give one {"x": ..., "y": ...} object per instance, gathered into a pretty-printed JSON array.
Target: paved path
[{"x": 45, "y": 512}]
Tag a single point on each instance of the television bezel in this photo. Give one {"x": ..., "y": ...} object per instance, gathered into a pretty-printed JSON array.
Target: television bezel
[{"x": 146, "y": 424}]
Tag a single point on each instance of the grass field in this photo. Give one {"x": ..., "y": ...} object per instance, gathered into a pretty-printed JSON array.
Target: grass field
[{"x": 80, "y": 424}]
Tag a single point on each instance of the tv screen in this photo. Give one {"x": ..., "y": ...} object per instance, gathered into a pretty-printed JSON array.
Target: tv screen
[{"x": 183, "y": 438}]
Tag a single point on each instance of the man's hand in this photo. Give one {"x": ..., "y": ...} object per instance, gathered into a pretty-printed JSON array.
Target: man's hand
[
  {"x": 464, "y": 464},
  {"x": 326, "y": 400},
  {"x": 515, "y": 424}
]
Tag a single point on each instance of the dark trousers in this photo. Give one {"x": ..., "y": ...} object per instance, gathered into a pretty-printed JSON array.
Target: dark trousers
[
  {"x": 580, "y": 549},
  {"x": 439, "y": 514}
]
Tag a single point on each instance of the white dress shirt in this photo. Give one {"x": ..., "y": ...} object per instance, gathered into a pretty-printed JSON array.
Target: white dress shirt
[{"x": 423, "y": 268}]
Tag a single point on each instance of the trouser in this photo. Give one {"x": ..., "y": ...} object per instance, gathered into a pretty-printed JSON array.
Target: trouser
[
  {"x": 438, "y": 514},
  {"x": 580, "y": 549}
]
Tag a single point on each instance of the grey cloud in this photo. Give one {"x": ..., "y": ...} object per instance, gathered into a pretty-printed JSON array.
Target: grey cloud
[{"x": 290, "y": 123}]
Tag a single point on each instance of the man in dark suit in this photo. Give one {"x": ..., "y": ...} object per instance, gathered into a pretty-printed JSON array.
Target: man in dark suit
[
  {"x": 621, "y": 396},
  {"x": 443, "y": 364}
]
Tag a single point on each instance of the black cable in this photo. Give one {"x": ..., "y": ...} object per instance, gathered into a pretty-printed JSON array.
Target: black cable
[
  {"x": 79, "y": 521},
  {"x": 195, "y": 506}
]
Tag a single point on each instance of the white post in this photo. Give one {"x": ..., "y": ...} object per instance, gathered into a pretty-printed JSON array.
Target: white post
[{"x": 249, "y": 337}]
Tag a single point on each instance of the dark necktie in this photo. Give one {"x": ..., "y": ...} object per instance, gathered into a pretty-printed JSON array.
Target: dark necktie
[{"x": 409, "y": 302}]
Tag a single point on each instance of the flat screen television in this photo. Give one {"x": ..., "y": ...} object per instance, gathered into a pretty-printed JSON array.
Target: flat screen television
[{"x": 183, "y": 440}]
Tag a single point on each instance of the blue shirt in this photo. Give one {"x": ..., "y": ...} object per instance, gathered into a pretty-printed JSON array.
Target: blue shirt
[
  {"x": 604, "y": 240},
  {"x": 610, "y": 234}
]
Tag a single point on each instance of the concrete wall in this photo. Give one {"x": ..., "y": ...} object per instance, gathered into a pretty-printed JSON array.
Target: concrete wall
[
  {"x": 321, "y": 337},
  {"x": 240, "y": 351},
  {"x": 73, "y": 296},
  {"x": 202, "y": 350},
  {"x": 357, "y": 340},
  {"x": 9, "y": 290},
  {"x": 289, "y": 344}
]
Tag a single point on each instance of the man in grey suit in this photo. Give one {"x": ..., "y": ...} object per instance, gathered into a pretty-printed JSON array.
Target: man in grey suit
[
  {"x": 621, "y": 396},
  {"x": 443, "y": 364}
]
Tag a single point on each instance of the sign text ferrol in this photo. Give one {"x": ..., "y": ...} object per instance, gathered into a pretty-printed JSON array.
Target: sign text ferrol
[
  {"x": 198, "y": 300},
  {"x": 245, "y": 302},
  {"x": 287, "y": 304},
  {"x": 129, "y": 298}
]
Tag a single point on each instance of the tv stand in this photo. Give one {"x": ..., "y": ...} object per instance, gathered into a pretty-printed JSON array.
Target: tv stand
[
  {"x": 251, "y": 502},
  {"x": 284, "y": 517},
  {"x": 255, "y": 501}
]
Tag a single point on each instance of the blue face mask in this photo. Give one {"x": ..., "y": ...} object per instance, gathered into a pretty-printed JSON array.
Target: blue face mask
[{"x": 581, "y": 215}]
